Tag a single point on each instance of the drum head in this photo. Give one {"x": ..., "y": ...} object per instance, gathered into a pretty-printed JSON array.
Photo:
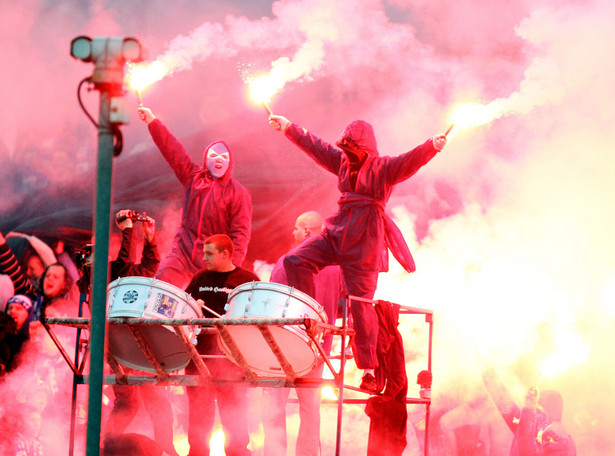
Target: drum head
[
  {"x": 165, "y": 345},
  {"x": 260, "y": 358},
  {"x": 272, "y": 300},
  {"x": 141, "y": 297}
]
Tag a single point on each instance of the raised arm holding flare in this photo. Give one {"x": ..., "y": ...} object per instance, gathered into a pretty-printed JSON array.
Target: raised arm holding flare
[{"x": 213, "y": 203}]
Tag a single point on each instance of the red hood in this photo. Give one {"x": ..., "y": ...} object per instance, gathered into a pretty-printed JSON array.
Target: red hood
[{"x": 359, "y": 135}]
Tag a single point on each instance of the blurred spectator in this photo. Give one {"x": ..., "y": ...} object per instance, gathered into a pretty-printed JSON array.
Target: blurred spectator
[
  {"x": 70, "y": 265},
  {"x": 24, "y": 427},
  {"x": 126, "y": 404},
  {"x": 126, "y": 262},
  {"x": 14, "y": 333},
  {"x": 54, "y": 300},
  {"x": 131, "y": 444},
  {"x": 530, "y": 422},
  {"x": 45, "y": 386},
  {"x": 21, "y": 309},
  {"x": 50, "y": 286},
  {"x": 8, "y": 329},
  {"x": 555, "y": 439},
  {"x": 32, "y": 254},
  {"x": 6, "y": 290},
  {"x": 10, "y": 266},
  {"x": 466, "y": 429},
  {"x": 329, "y": 288},
  {"x": 55, "y": 282}
]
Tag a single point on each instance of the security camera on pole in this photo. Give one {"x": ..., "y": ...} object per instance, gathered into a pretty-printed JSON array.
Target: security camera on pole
[{"x": 109, "y": 56}]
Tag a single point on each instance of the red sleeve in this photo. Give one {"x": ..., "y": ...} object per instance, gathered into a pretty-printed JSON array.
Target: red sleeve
[
  {"x": 173, "y": 152},
  {"x": 150, "y": 259},
  {"x": 320, "y": 151},
  {"x": 240, "y": 224},
  {"x": 126, "y": 257},
  {"x": 405, "y": 165}
]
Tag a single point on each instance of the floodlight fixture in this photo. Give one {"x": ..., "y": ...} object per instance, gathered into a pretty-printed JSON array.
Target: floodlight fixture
[
  {"x": 81, "y": 48},
  {"x": 109, "y": 55}
]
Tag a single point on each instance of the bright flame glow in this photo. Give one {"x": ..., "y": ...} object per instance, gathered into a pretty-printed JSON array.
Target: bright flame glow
[
  {"x": 262, "y": 88},
  {"x": 570, "y": 352},
  {"x": 328, "y": 392},
  {"x": 216, "y": 444},
  {"x": 141, "y": 76},
  {"x": 473, "y": 115},
  {"x": 180, "y": 442}
]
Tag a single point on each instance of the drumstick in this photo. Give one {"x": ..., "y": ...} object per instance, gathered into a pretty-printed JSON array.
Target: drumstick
[{"x": 207, "y": 308}]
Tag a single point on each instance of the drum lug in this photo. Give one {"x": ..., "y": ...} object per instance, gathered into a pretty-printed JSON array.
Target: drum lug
[
  {"x": 112, "y": 300},
  {"x": 286, "y": 306},
  {"x": 247, "y": 309}
]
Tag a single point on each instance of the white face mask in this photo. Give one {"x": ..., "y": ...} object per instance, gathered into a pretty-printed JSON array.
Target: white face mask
[{"x": 217, "y": 160}]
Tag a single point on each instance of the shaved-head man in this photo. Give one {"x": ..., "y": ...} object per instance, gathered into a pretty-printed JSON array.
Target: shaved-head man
[{"x": 328, "y": 291}]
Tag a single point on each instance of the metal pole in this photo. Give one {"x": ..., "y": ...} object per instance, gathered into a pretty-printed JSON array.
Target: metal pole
[
  {"x": 340, "y": 399},
  {"x": 102, "y": 214},
  {"x": 429, "y": 319},
  {"x": 73, "y": 409}
]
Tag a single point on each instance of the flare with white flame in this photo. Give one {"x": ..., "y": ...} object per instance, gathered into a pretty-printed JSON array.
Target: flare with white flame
[
  {"x": 570, "y": 351},
  {"x": 141, "y": 76},
  {"x": 263, "y": 88}
]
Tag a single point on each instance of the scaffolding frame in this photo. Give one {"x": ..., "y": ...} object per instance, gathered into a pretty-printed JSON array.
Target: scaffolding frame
[{"x": 311, "y": 327}]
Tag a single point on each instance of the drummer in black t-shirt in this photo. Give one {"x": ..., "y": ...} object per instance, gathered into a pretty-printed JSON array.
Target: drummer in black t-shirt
[{"x": 212, "y": 285}]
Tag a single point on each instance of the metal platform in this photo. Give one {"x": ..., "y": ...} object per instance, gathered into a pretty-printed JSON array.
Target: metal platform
[{"x": 159, "y": 376}]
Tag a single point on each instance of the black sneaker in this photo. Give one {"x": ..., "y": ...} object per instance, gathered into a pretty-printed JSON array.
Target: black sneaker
[{"x": 368, "y": 383}]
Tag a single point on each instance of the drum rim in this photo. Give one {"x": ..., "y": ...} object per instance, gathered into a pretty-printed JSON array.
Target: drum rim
[
  {"x": 152, "y": 283},
  {"x": 308, "y": 299}
]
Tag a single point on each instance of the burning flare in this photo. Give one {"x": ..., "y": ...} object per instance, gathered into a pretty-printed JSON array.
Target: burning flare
[
  {"x": 216, "y": 444},
  {"x": 570, "y": 352},
  {"x": 262, "y": 88},
  {"x": 473, "y": 115},
  {"x": 328, "y": 392},
  {"x": 139, "y": 77}
]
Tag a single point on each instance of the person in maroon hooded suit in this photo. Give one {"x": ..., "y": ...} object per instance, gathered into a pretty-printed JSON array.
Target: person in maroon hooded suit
[
  {"x": 213, "y": 203},
  {"x": 359, "y": 235}
]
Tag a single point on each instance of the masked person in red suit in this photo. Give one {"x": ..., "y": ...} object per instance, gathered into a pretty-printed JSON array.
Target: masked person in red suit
[
  {"x": 359, "y": 235},
  {"x": 213, "y": 203}
]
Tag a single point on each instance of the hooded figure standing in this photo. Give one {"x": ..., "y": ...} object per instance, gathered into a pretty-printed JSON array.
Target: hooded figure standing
[
  {"x": 213, "y": 203},
  {"x": 359, "y": 235}
]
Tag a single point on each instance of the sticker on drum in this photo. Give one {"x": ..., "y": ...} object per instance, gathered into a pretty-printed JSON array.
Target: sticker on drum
[
  {"x": 165, "y": 305},
  {"x": 142, "y": 297},
  {"x": 272, "y": 300}
]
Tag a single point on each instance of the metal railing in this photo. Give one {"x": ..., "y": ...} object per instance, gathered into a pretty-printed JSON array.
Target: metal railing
[{"x": 312, "y": 328}]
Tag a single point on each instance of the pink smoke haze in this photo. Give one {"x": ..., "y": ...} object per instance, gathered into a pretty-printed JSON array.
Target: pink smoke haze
[{"x": 511, "y": 225}]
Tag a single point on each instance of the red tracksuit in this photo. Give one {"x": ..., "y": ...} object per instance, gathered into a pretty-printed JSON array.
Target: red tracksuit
[
  {"x": 359, "y": 235},
  {"x": 210, "y": 206}
]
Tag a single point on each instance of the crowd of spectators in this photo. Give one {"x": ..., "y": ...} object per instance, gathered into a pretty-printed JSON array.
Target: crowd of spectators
[{"x": 40, "y": 280}]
